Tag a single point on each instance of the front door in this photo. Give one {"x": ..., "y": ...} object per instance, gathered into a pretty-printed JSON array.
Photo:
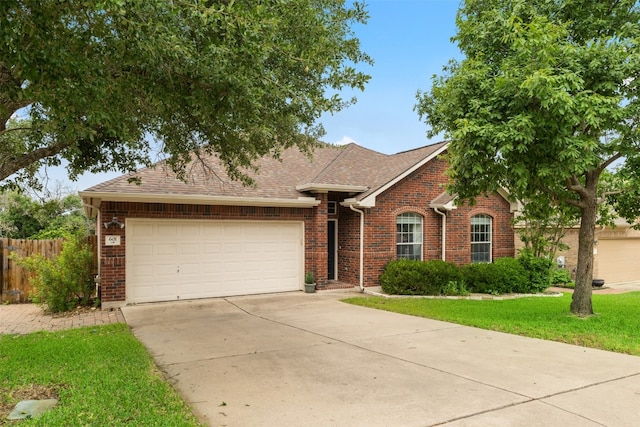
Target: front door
[{"x": 331, "y": 247}]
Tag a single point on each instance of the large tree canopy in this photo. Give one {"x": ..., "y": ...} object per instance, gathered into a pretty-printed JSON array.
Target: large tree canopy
[
  {"x": 23, "y": 217},
  {"x": 545, "y": 99},
  {"x": 93, "y": 81}
]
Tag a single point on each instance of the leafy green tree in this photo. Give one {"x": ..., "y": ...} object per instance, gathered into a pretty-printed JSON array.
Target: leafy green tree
[
  {"x": 544, "y": 101},
  {"x": 94, "y": 81},
  {"x": 23, "y": 217},
  {"x": 543, "y": 225},
  {"x": 19, "y": 216}
]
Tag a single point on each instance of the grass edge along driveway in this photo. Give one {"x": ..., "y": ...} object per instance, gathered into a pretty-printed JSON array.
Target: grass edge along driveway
[
  {"x": 101, "y": 375},
  {"x": 614, "y": 327}
]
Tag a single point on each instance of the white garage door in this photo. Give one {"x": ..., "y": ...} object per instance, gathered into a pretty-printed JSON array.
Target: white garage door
[
  {"x": 169, "y": 259},
  {"x": 618, "y": 260}
]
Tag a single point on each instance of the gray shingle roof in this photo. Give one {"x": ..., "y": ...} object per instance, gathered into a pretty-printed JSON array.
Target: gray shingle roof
[
  {"x": 350, "y": 165},
  {"x": 442, "y": 200}
]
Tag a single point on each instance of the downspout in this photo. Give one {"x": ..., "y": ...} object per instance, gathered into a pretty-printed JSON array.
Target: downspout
[
  {"x": 98, "y": 230},
  {"x": 444, "y": 232},
  {"x": 361, "y": 245},
  {"x": 98, "y": 278}
]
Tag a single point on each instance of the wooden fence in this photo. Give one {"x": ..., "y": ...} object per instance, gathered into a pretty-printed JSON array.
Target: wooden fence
[{"x": 15, "y": 281}]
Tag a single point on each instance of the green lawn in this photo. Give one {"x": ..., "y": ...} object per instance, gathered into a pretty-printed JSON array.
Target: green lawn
[
  {"x": 102, "y": 376},
  {"x": 615, "y": 327}
]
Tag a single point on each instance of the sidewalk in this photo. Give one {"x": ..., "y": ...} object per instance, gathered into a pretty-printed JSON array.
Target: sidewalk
[{"x": 27, "y": 318}]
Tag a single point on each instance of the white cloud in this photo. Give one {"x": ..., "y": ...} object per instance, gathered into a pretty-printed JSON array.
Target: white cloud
[{"x": 345, "y": 140}]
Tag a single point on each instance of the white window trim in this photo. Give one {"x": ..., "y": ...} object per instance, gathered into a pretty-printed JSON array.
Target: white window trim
[
  {"x": 421, "y": 240},
  {"x": 490, "y": 241}
]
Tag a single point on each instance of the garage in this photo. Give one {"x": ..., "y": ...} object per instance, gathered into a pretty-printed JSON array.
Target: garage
[
  {"x": 169, "y": 260},
  {"x": 618, "y": 260}
]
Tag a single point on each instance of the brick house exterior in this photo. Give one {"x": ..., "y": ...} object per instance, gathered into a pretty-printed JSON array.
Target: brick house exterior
[
  {"x": 327, "y": 198},
  {"x": 615, "y": 253}
]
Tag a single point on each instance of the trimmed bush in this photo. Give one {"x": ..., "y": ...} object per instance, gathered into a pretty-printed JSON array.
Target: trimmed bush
[
  {"x": 505, "y": 275},
  {"x": 539, "y": 270},
  {"x": 560, "y": 276},
  {"x": 401, "y": 277},
  {"x": 526, "y": 274},
  {"x": 411, "y": 277}
]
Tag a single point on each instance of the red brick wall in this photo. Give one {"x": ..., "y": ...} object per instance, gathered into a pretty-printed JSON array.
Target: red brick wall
[
  {"x": 413, "y": 194},
  {"x": 112, "y": 258}
]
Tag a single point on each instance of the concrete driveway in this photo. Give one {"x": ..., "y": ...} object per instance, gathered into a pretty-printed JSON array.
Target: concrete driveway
[{"x": 300, "y": 359}]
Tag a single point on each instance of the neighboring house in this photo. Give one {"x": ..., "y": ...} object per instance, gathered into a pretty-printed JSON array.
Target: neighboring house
[
  {"x": 615, "y": 253},
  {"x": 343, "y": 216}
]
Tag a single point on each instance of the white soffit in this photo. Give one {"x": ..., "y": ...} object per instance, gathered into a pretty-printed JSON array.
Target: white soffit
[{"x": 92, "y": 200}]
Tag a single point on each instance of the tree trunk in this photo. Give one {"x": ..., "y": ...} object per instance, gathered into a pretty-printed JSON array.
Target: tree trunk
[{"x": 581, "y": 302}]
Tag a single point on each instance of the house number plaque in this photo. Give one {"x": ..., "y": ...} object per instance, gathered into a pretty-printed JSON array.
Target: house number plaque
[{"x": 112, "y": 240}]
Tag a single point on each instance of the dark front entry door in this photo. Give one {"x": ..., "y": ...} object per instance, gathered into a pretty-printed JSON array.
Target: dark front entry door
[{"x": 331, "y": 247}]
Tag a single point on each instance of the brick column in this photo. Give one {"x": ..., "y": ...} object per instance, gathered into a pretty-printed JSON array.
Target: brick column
[{"x": 112, "y": 260}]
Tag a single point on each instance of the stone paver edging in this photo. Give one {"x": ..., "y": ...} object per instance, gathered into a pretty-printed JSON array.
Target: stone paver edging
[
  {"x": 28, "y": 318},
  {"x": 479, "y": 297}
]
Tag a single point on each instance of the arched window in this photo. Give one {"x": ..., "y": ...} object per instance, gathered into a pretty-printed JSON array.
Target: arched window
[
  {"x": 409, "y": 236},
  {"x": 481, "y": 238}
]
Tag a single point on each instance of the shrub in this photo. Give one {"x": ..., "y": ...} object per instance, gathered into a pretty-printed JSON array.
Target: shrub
[
  {"x": 526, "y": 274},
  {"x": 539, "y": 270},
  {"x": 402, "y": 277},
  {"x": 67, "y": 280},
  {"x": 411, "y": 277},
  {"x": 455, "y": 288},
  {"x": 560, "y": 276},
  {"x": 505, "y": 275},
  {"x": 440, "y": 273}
]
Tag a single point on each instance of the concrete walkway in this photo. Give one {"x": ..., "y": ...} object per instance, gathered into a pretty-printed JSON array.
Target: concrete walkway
[{"x": 308, "y": 359}]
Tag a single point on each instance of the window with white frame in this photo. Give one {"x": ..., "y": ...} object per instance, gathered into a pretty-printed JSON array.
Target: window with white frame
[
  {"x": 481, "y": 238},
  {"x": 409, "y": 236},
  {"x": 332, "y": 208}
]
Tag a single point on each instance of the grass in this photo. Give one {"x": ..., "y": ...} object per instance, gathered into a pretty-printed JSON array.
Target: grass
[
  {"x": 101, "y": 375},
  {"x": 615, "y": 327}
]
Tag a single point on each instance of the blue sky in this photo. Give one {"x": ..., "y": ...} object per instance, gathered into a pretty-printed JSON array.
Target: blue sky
[{"x": 409, "y": 41}]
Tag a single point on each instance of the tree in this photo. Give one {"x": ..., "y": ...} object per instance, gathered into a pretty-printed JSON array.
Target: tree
[
  {"x": 544, "y": 101},
  {"x": 94, "y": 81},
  {"x": 543, "y": 223},
  {"x": 542, "y": 226},
  {"x": 60, "y": 215}
]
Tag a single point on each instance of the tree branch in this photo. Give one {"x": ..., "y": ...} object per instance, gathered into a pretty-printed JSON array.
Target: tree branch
[
  {"x": 4, "y": 131},
  {"x": 609, "y": 161},
  {"x": 573, "y": 184},
  {"x": 13, "y": 165},
  {"x": 576, "y": 203}
]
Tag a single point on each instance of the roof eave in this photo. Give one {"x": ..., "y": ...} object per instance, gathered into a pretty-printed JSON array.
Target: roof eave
[
  {"x": 314, "y": 187},
  {"x": 370, "y": 200},
  {"x": 514, "y": 204},
  {"x": 449, "y": 206},
  {"x": 92, "y": 200}
]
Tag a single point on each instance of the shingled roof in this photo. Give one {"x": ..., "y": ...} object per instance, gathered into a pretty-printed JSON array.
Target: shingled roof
[{"x": 352, "y": 167}]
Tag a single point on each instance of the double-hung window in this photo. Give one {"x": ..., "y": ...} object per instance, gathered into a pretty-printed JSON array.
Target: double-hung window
[
  {"x": 481, "y": 238},
  {"x": 409, "y": 236}
]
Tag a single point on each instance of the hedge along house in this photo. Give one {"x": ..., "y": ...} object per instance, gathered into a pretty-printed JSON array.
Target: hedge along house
[{"x": 342, "y": 215}]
